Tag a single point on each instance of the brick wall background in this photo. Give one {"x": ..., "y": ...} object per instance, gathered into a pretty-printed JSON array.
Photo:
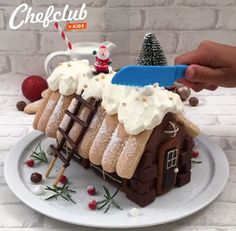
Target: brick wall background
[{"x": 179, "y": 24}]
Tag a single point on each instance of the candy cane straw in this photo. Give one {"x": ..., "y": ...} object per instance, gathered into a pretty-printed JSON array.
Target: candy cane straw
[{"x": 63, "y": 35}]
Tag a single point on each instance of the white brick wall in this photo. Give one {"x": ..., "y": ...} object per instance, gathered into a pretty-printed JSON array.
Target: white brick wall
[
  {"x": 11, "y": 2},
  {"x": 180, "y": 26},
  {"x": 20, "y": 41},
  {"x": 4, "y": 64},
  {"x": 181, "y": 18},
  {"x": 94, "y": 3},
  {"x": 205, "y": 2},
  {"x": 1, "y": 19},
  {"x": 189, "y": 40},
  {"x": 227, "y": 18}
]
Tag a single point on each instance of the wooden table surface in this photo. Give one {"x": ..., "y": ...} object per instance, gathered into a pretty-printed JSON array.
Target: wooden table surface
[{"x": 215, "y": 115}]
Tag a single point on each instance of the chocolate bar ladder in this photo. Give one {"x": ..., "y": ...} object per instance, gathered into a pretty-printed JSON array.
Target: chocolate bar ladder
[{"x": 58, "y": 150}]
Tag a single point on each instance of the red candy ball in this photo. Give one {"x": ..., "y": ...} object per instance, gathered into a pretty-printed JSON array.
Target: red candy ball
[
  {"x": 33, "y": 86},
  {"x": 91, "y": 190},
  {"x": 63, "y": 179},
  {"x": 30, "y": 163},
  {"x": 92, "y": 204},
  {"x": 195, "y": 154}
]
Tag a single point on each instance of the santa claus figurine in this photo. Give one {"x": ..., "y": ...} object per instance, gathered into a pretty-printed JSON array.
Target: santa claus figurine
[{"x": 102, "y": 59}]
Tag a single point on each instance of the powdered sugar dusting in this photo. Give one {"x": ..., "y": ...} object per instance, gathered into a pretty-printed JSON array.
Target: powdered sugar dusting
[
  {"x": 100, "y": 135},
  {"x": 111, "y": 153},
  {"x": 75, "y": 131},
  {"x": 57, "y": 113},
  {"x": 50, "y": 105},
  {"x": 94, "y": 121},
  {"x": 102, "y": 139},
  {"x": 77, "y": 128},
  {"x": 66, "y": 118},
  {"x": 131, "y": 146}
]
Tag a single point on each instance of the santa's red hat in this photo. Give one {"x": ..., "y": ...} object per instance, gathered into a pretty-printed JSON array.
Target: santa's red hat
[{"x": 103, "y": 46}]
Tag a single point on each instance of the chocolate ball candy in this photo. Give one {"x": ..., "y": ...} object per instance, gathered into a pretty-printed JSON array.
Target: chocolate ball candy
[
  {"x": 184, "y": 92},
  {"x": 36, "y": 177},
  {"x": 193, "y": 101},
  {"x": 21, "y": 105}
]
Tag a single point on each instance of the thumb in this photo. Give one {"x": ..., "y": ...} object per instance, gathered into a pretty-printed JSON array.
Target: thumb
[{"x": 197, "y": 73}]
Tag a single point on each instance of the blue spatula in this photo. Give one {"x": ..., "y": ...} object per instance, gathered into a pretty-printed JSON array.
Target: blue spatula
[{"x": 145, "y": 75}]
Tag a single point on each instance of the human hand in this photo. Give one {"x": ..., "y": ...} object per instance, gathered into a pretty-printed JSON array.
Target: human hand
[{"x": 210, "y": 65}]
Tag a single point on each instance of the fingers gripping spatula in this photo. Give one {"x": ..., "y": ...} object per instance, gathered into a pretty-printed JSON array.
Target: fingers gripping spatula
[{"x": 140, "y": 76}]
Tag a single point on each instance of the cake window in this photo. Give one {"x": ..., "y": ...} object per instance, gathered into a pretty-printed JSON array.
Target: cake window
[{"x": 171, "y": 158}]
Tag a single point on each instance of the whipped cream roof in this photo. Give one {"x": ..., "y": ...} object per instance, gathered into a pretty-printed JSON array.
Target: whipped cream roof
[
  {"x": 65, "y": 77},
  {"x": 138, "y": 109}
]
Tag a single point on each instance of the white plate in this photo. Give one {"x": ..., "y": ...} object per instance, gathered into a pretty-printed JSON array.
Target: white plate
[{"x": 208, "y": 180}]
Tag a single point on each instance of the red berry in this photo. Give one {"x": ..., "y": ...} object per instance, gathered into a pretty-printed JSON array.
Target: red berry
[
  {"x": 195, "y": 154},
  {"x": 91, "y": 190},
  {"x": 30, "y": 163},
  {"x": 63, "y": 179},
  {"x": 92, "y": 204}
]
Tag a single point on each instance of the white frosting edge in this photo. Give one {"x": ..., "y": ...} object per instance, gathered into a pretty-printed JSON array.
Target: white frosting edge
[{"x": 138, "y": 109}]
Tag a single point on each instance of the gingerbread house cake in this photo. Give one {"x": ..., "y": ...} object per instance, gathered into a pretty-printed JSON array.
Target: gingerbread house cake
[
  {"x": 137, "y": 138},
  {"x": 134, "y": 137}
]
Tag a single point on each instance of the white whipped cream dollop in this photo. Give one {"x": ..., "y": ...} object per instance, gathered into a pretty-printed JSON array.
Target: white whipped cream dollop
[
  {"x": 142, "y": 108},
  {"x": 134, "y": 212},
  {"x": 138, "y": 108},
  {"x": 113, "y": 95},
  {"x": 66, "y": 76},
  {"x": 38, "y": 190},
  {"x": 94, "y": 87},
  {"x": 145, "y": 108}
]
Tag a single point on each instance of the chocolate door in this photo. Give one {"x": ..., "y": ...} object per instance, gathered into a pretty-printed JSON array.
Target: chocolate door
[
  {"x": 170, "y": 166},
  {"x": 167, "y": 165}
]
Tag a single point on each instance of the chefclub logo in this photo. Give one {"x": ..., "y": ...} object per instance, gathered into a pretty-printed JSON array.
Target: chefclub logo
[{"x": 51, "y": 15}]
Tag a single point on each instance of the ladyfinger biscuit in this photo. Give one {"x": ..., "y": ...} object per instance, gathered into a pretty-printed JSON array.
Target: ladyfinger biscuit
[
  {"x": 77, "y": 127},
  {"x": 114, "y": 148},
  {"x": 131, "y": 154},
  {"x": 191, "y": 128},
  {"x": 91, "y": 133},
  {"x": 66, "y": 119},
  {"x": 46, "y": 95},
  {"x": 102, "y": 138},
  {"x": 57, "y": 115},
  {"x": 48, "y": 110},
  {"x": 32, "y": 108}
]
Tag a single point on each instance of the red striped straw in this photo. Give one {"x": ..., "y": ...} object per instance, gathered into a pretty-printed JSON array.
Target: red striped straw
[{"x": 63, "y": 35}]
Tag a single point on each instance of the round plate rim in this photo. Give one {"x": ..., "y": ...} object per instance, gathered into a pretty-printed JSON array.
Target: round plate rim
[{"x": 219, "y": 180}]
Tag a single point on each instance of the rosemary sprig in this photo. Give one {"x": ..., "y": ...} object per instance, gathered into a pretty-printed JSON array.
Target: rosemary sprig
[
  {"x": 39, "y": 155},
  {"x": 108, "y": 201},
  {"x": 64, "y": 192}
]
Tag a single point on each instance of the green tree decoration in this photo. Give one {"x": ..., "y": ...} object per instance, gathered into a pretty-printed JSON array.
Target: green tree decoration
[{"x": 151, "y": 53}]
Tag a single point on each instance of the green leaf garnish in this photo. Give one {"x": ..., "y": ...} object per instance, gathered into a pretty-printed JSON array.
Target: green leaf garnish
[
  {"x": 108, "y": 201},
  {"x": 63, "y": 192},
  {"x": 39, "y": 155}
]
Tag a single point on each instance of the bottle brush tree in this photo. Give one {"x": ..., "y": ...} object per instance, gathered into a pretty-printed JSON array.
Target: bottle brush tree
[{"x": 151, "y": 53}]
